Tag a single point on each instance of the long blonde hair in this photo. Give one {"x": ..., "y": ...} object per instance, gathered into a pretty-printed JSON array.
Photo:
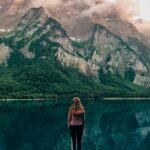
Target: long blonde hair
[{"x": 77, "y": 105}]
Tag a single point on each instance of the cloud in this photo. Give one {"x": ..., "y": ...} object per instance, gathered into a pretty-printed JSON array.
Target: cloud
[
  {"x": 143, "y": 26},
  {"x": 121, "y": 9},
  {"x": 46, "y": 3},
  {"x": 72, "y": 13}
]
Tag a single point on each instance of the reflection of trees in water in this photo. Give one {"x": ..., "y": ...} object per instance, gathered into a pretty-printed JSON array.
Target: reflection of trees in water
[
  {"x": 43, "y": 126},
  {"x": 63, "y": 143}
]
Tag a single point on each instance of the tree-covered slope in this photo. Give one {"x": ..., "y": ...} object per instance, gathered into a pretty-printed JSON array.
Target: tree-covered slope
[{"x": 39, "y": 60}]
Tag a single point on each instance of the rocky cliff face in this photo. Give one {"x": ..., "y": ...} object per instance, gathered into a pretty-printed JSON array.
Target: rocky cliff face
[
  {"x": 112, "y": 54},
  {"x": 119, "y": 57},
  {"x": 40, "y": 37},
  {"x": 123, "y": 29}
]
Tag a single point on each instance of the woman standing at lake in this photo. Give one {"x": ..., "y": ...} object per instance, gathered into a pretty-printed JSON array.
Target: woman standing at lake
[{"x": 76, "y": 122}]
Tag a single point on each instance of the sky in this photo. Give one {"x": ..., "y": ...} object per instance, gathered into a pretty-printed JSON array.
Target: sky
[
  {"x": 144, "y": 9},
  {"x": 140, "y": 8}
]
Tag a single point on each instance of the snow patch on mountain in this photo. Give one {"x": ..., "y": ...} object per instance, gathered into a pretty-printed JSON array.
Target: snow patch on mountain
[{"x": 4, "y": 53}]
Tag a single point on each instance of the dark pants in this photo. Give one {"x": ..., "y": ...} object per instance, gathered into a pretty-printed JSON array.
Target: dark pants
[{"x": 76, "y": 136}]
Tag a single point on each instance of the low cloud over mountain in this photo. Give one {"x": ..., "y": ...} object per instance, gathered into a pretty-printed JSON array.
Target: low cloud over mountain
[{"x": 71, "y": 13}]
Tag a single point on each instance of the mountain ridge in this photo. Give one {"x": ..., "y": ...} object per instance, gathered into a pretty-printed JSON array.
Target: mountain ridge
[{"x": 42, "y": 56}]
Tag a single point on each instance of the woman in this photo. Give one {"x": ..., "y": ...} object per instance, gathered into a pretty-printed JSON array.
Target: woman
[{"x": 76, "y": 122}]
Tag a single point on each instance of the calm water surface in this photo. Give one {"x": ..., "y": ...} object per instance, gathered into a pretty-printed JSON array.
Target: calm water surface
[{"x": 42, "y": 125}]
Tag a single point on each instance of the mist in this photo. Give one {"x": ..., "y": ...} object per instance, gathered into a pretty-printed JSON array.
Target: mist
[
  {"x": 74, "y": 13},
  {"x": 143, "y": 27}
]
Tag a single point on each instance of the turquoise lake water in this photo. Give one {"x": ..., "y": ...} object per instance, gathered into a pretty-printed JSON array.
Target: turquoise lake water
[{"x": 42, "y": 125}]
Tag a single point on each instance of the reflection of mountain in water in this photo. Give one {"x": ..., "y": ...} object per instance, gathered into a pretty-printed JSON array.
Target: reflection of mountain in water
[{"x": 42, "y": 125}]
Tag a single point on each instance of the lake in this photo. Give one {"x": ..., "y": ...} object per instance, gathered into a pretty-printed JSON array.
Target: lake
[{"x": 42, "y": 125}]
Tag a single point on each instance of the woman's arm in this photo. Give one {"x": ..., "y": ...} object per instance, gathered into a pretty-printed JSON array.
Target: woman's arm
[{"x": 69, "y": 118}]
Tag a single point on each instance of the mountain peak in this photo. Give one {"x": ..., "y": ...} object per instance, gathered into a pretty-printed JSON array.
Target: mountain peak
[
  {"x": 33, "y": 16},
  {"x": 124, "y": 29},
  {"x": 35, "y": 12}
]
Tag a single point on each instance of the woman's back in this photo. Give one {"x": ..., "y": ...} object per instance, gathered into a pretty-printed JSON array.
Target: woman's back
[{"x": 77, "y": 117}]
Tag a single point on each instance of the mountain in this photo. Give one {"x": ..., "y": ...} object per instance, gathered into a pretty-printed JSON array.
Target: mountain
[{"x": 39, "y": 59}]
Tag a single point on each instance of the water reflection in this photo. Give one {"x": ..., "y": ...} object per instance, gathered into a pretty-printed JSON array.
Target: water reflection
[{"x": 42, "y": 125}]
